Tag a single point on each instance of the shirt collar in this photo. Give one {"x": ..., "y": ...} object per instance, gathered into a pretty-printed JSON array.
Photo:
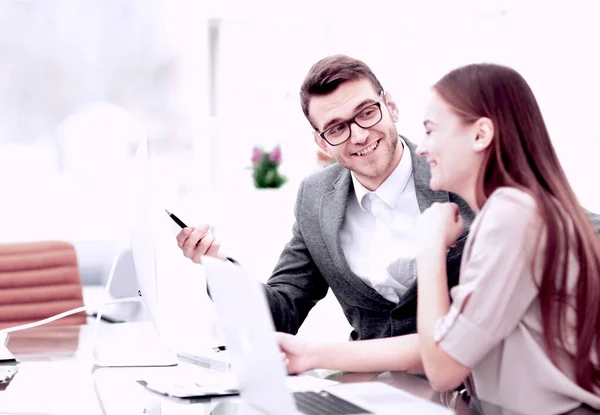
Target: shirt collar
[{"x": 390, "y": 190}]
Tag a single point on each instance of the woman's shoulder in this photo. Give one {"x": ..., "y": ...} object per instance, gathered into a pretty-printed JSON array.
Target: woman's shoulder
[
  {"x": 508, "y": 206},
  {"x": 512, "y": 196}
]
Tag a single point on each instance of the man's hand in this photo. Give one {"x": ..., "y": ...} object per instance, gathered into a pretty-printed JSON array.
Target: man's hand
[
  {"x": 198, "y": 241},
  {"x": 298, "y": 353}
]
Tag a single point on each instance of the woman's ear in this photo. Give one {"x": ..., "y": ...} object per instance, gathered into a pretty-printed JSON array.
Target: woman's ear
[{"x": 484, "y": 134}]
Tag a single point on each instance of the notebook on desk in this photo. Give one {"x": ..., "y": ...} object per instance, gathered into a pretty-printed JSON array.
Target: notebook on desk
[{"x": 249, "y": 334}]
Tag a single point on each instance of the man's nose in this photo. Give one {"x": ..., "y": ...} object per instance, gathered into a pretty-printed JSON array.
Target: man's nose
[{"x": 358, "y": 134}]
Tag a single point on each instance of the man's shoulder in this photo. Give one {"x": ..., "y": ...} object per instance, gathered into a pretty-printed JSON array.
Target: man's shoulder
[{"x": 325, "y": 179}]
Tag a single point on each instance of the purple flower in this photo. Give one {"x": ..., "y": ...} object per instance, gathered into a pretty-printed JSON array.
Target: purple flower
[
  {"x": 275, "y": 155},
  {"x": 257, "y": 155}
]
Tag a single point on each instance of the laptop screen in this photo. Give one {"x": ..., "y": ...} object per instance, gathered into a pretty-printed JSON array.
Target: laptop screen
[{"x": 249, "y": 334}]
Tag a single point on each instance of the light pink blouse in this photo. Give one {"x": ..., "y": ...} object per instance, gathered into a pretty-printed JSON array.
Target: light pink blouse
[{"x": 494, "y": 325}]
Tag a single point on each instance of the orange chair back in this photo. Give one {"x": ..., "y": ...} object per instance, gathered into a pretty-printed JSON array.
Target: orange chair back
[{"x": 39, "y": 280}]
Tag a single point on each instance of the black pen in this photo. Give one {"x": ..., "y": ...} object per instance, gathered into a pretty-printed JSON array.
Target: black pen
[
  {"x": 176, "y": 219},
  {"x": 183, "y": 225}
]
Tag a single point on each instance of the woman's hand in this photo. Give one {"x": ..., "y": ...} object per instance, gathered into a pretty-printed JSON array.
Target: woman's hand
[
  {"x": 439, "y": 226},
  {"x": 299, "y": 354}
]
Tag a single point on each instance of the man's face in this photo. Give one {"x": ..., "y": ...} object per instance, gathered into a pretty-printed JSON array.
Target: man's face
[{"x": 371, "y": 153}]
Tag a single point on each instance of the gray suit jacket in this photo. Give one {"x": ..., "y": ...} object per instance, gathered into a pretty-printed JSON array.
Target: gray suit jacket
[{"x": 313, "y": 260}]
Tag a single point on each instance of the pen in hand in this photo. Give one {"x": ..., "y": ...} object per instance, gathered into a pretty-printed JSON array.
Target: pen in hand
[
  {"x": 182, "y": 225},
  {"x": 176, "y": 219}
]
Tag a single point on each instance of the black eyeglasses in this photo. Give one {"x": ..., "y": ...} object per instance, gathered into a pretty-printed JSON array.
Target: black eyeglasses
[{"x": 339, "y": 133}]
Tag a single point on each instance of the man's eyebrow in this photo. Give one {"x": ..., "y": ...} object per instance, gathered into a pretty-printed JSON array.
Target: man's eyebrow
[{"x": 364, "y": 103}]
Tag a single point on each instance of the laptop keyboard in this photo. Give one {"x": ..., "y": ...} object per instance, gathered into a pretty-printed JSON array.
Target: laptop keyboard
[{"x": 324, "y": 403}]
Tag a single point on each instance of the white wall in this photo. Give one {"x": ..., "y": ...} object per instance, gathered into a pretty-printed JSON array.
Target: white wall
[{"x": 263, "y": 60}]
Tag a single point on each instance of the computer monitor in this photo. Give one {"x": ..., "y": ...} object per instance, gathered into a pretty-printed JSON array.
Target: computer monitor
[
  {"x": 144, "y": 346},
  {"x": 142, "y": 236},
  {"x": 173, "y": 299},
  {"x": 144, "y": 259}
]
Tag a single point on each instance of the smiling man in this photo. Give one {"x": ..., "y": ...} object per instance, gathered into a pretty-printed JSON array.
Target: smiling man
[{"x": 354, "y": 224}]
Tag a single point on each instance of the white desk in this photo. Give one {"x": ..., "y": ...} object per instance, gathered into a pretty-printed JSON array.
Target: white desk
[{"x": 56, "y": 376}]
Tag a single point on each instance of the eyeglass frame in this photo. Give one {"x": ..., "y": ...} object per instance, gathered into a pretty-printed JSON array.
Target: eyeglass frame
[{"x": 351, "y": 121}]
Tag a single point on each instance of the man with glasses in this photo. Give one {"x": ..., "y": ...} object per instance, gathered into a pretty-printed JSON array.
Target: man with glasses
[{"x": 354, "y": 220}]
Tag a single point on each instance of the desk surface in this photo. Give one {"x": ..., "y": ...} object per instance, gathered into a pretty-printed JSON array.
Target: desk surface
[{"x": 57, "y": 375}]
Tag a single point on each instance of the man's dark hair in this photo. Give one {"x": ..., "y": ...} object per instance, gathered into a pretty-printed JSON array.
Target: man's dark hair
[{"x": 329, "y": 73}]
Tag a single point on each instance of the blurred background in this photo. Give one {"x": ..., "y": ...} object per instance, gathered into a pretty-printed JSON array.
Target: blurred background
[{"x": 84, "y": 82}]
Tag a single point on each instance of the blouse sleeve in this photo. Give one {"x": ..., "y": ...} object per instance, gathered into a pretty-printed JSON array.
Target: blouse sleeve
[{"x": 497, "y": 286}]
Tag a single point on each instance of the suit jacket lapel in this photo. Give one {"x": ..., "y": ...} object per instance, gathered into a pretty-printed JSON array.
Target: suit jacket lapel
[{"x": 332, "y": 213}]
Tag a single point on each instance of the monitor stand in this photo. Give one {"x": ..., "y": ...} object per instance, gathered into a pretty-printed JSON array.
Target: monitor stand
[
  {"x": 127, "y": 345},
  {"x": 131, "y": 345}
]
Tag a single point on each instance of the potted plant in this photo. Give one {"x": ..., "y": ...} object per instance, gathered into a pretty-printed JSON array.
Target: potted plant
[{"x": 265, "y": 168}]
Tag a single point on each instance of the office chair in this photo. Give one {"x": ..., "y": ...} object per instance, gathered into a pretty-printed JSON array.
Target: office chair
[{"x": 39, "y": 280}]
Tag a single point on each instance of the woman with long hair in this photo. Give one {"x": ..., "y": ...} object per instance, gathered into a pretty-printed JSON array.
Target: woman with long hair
[{"x": 521, "y": 328}]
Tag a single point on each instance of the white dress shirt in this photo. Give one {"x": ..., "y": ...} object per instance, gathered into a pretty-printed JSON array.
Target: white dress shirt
[{"x": 377, "y": 236}]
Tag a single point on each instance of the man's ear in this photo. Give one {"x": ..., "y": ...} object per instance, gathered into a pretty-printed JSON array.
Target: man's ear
[
  {"x": 392, "y": 107},
  {"x": 321, "y": 143},
  {"x": 484, "y": 128}
]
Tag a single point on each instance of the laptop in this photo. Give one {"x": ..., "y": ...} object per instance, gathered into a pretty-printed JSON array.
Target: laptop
[{"x": 257, "y": 363}]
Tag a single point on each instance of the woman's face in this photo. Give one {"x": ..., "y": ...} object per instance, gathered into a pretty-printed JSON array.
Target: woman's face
[{"x": 452, "y": 148}]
